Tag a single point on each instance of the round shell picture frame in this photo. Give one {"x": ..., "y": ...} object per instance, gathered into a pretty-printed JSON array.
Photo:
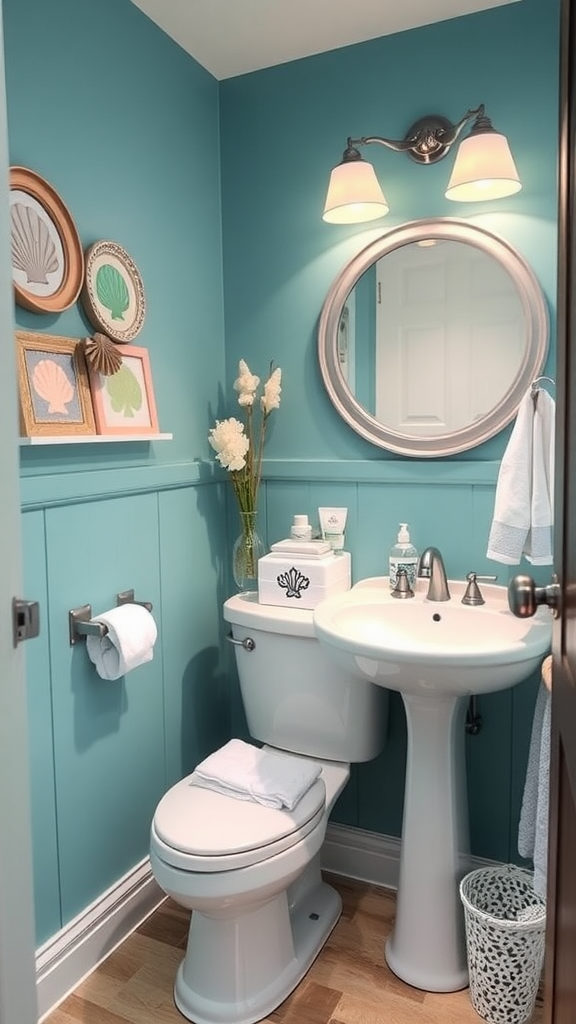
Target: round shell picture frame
[
  {"x": 46, "y": 252},
  {"x": 113, "y": 292}
]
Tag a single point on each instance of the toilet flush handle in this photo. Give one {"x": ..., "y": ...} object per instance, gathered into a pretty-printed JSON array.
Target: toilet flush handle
[{"x": 248, "y": 643}]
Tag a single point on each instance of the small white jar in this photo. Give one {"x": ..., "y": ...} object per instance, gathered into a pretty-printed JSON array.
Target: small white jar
[{"x": 301, "y": 528}]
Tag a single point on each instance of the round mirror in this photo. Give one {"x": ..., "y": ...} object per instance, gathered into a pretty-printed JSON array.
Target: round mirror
[{"x": 430, "y": 337}]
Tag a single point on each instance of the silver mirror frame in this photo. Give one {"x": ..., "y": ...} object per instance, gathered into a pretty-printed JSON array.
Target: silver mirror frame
[{"x": 537, "y": 326}]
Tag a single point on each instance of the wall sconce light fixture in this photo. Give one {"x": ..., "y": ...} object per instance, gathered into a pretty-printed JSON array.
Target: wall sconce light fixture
[{"x": 484, "y": 167}]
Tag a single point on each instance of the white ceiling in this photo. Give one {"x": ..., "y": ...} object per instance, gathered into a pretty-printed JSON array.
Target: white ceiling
[{"x": 232, "y": 37}]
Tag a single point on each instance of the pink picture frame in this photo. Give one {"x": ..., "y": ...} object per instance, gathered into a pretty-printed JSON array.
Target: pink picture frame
[{"x": 124, "y": 402}]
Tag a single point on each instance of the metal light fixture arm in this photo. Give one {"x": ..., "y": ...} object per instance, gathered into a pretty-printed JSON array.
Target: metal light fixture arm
[{"x": 427, "y": 141}]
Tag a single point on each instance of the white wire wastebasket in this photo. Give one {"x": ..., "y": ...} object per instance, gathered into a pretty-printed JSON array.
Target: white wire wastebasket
[{"x": 505, "y": 931}]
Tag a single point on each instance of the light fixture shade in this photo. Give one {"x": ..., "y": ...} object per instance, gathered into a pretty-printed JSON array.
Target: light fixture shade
[
  {"x": 484, "y": 169},
  {"x": 354, "y": 194}
]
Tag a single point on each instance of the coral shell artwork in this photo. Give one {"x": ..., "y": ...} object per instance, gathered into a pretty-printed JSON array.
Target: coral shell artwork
[
  {"x": 113, "y": 292},
  {"x": 50, "y": 382}
]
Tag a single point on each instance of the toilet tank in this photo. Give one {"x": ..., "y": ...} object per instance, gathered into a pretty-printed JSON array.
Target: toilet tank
[{"x": 294, "y": 697}]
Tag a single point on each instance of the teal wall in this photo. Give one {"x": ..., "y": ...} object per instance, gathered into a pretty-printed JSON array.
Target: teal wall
[
  {"x": 282, "y": 130},
  {"x": 216, "y": 191},
  {"x": 125, "y": 126}
]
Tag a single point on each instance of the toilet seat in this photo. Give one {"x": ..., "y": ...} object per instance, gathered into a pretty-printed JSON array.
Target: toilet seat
[{"x": 197, "y": 829}]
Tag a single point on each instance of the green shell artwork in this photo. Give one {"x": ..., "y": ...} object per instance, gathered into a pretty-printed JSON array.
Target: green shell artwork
[
  {"x": 112, "y": 290},
  {"x": 125, "y": 392}
]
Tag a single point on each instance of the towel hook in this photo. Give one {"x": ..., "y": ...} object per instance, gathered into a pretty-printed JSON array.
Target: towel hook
[
  {"x": 80, "y": 623},
  {"x": 535, "y": 387}
]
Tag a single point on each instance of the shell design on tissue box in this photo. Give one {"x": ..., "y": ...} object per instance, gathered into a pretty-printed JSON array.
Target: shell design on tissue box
[{"x": 299, "y": 580}]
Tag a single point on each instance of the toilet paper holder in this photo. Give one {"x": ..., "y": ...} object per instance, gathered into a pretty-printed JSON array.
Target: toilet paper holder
[{"x": 80, "y": 622}]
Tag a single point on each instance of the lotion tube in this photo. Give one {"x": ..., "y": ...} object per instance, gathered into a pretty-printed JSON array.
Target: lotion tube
[{"x": 333, "y": 526}]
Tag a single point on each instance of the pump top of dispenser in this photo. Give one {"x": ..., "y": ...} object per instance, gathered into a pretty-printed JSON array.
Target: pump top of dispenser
[{"x": 403, "y": 534}]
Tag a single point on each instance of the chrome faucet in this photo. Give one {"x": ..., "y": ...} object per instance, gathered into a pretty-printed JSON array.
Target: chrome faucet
[{"x": 431, "y": 566}]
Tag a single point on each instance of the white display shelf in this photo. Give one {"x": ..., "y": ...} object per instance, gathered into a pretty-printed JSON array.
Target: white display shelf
[{"x": 92, "y": 438}]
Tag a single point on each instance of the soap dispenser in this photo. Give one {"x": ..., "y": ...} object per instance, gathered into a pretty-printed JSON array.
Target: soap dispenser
[{"x": 403, "y": 555}]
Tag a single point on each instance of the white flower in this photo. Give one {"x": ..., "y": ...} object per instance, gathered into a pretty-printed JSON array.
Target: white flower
[
  {"x": 240, "y": 446},
  {"x": 230, "y": 443},
  {"x": 246, "y": 384},
  {"x": 271, "y": 397}
]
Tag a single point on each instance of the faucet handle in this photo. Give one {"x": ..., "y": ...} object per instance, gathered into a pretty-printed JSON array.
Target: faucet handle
[{"x": 473, "y": 595}]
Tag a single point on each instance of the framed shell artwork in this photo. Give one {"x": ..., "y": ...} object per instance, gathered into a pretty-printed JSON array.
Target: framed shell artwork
[
  {"x": 55, "y": 397},
  {"x": 46, "y": 252},
  {"x": 113, "y": 292},
  {"x": 124, "y": 401}
]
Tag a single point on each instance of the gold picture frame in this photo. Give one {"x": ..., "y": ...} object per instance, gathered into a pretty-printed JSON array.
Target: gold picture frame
[
  {"x": 46, "y": 251},
  {"x": 54, "y": 386}
]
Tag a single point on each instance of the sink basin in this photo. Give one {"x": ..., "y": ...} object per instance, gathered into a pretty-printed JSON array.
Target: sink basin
[
  {"x": 415, "y": 645},
  {"x": 436, "y": 654}
]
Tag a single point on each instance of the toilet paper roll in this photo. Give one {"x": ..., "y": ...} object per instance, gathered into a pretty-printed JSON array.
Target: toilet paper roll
[{"x": 128, "y": 643}]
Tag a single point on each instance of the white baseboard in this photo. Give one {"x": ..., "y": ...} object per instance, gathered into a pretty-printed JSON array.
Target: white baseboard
[
  {"x": 356, "y": 853},
  {"x": 368, "y": 856},
  {"x": 76, "y": 950}
]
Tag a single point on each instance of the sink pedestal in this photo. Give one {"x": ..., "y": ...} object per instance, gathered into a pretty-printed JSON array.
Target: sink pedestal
[
  {"x": 427, "y": 947},
  {"x": 436, "y": 654}
]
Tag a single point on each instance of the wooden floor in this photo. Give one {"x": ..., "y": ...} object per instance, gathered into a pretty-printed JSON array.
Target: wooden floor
[{"x": 349, "y": 983}]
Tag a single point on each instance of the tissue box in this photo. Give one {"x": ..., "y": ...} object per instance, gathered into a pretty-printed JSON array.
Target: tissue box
[{"x": 300, "y": 582}]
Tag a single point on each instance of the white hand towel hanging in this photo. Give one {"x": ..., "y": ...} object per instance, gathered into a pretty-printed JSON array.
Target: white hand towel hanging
[
  {"x": 538, "y": 548},
  {"x": 128, "y": 642},
  {"x": 246, "y": 772},
  {"x": 524, "y": 505}
]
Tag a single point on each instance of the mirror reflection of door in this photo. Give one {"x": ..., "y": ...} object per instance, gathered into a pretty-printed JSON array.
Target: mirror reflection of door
[
  {"x": 450, "y": 335},
  {"x": 427, "y": 349}
]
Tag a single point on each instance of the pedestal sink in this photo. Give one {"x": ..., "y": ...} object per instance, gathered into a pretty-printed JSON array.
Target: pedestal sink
[{"x": 437, "y": 655}]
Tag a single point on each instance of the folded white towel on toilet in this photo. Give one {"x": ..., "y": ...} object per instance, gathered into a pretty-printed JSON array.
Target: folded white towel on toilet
[{"x": 246, "y": 772}]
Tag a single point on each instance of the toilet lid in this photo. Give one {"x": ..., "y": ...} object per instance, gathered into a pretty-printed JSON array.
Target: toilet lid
[{"x": 218, "y": 830}]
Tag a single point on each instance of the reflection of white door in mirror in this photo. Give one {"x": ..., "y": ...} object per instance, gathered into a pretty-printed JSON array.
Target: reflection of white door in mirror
[
  {"x": 430, "y": 336},
  {"x": 450, "y": 335}
]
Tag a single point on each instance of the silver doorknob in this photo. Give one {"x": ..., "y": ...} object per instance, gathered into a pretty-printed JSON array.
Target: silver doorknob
[{"x": 524, "y": 596}]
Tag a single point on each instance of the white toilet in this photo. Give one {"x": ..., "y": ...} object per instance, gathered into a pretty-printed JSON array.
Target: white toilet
[{"x": 250, "y": 873}]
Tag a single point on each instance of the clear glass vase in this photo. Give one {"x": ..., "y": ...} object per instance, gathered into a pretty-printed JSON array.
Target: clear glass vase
[{"x": 248, "y": 548}]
